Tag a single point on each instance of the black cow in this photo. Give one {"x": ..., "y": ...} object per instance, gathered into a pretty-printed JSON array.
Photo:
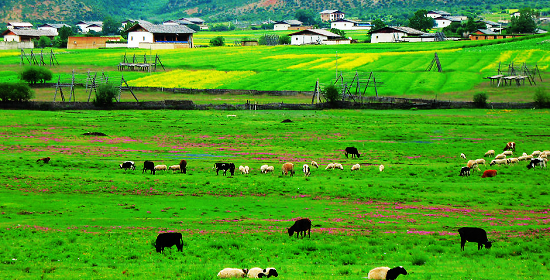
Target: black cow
[
  {"x": 352, "y": 151},
  {"x": 169, "y": 239},
  {"x": 465, "y": 171},
  {"x": 225, "y": 166},
  {"x": 183, "y": 166},
  {"x": 148, "y": 165},
  {"x": 537, "y": 162},
  {"x": 302, "y": 226},
  {"x": 472, "y": 234},
  {"x": 127, "y": 165}
]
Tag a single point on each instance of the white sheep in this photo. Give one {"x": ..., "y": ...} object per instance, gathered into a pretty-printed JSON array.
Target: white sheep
[
  {"x": 305, "y": 169},
  {"x": 329, "y": 166},
  {"x": 543, "y": 155},
  {"x": 508, "y": 153},
  {"x": 498, "y": 161},
  {"x": 338, "y": 166},
  {"x": 355, "y": 167},
  {"x": 241, "y": 168},
  {"x": 314, "y": 164},
  {"x": 381, "y": 167},
  {"x": 246, "y": 169},
  {"x": 525, "y": 157},
  {"x": 386, "y": 273},
  {"x": 463, "y": 156},
  {"x": 480, "y": 161},
  {"x": 524, "y": 154},
  {"x": 161, "y": 167},
  {"x": 263, "y": 168},
  {"x": 490, "y": 153},
  {"x": 270, "y": 168},
  {"x": 513, "y": 160},
  {"x": 535, "y": 153},
  {"x": 233, "y": 273},
  {"x": 500, "y": 156},
  {"x": 174, "y": 167},
  {"x": 257, "y": 272}
]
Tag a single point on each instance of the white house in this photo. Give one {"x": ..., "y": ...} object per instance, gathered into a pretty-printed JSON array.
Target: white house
[
  {"x": 19, "y": 25},
  {"x": 25, "y": 35},
  {"x": 391, "y": 34},
  {"x": 346, "y": 24},
  {"x": 87, "y": 26},
  {"x": 330, "y": 15},
  {"x": 317, "y": 37},
  {"x": 53, "y": 27},
  {"x": 178, "y": 36},
  {"x": 436, "y": 14},
  {"x": 286, "y": 24}
]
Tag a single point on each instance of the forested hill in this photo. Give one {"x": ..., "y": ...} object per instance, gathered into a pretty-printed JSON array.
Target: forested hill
[{"x": 38, "y": 11}]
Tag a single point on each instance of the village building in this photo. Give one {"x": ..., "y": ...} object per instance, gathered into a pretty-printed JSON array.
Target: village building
[
  {"x": 90, "y": 42},
  {"x": 188, "y": 21},
  {"x": 436, "y": 14},
  {"x": 158, "y": 36},
  {"x": 486, "y": 34},
  {"x": 26, "y": 35},
  {"x": 392, "y": 34},
  {"x": 288, "y": 25},
  {"x": 54, "y": 27},
  {"x": 346, "y": 24},
  {"x": 442, "y": 22},
  {"x": 317, "y": 37},
  {"x": 331, "y": 15},
  {"x": 19, "y": 25},
  {"x": 87, "y": 26}
]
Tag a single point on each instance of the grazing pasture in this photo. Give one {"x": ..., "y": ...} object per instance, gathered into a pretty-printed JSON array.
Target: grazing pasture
[{"x": 82, "y": 216}]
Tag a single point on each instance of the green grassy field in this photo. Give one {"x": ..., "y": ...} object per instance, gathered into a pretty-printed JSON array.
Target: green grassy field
[
  {"x": 400, "y": 69},
  {"x": 80, "y": 216}
]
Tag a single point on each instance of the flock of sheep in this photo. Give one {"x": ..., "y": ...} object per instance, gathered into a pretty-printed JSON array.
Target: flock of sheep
[
  {"x": 536, "y": 158},
  {"x": 256, "y": 272}
]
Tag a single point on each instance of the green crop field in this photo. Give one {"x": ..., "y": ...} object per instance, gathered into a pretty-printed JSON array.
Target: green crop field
[
  {"x": 81, "y": 216},
  {"x": 400, "y": 69}
]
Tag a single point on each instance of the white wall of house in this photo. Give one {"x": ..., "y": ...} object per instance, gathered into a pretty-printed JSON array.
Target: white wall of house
[
  {"x": 134, "y": 38},
  {"x": 386, "y": 37},
  {"x": 419, "y": 39},
  {"x": 307, "y": 39},
  {"x": 51, "y": 29},
  {"x": 12, "y": 38},
  {"x": 95, "y": 28},
  {"x": 337, "y": 42},
  {"x": 441, "y": 23},
  {"x": 348, "y": 26},
  {"x": 281, "y": 26}
]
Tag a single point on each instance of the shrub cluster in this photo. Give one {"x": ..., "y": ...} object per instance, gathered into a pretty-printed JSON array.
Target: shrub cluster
[
  {"x": 33, "y": 74},
  {"x": 331, "y": 93},
  {"x": 542, "y": 98},
  {"x": 217, "y": 41},
  {"x": 15, "y": 92},
  {"x": 105, "y": 95},
  {"x": 480, "y": 99}
]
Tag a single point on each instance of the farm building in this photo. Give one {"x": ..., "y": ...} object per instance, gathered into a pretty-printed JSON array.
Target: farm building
[
  {"x": 392, "y": 34},
  {"x": 491, "y": 25},
  {"x": 486, "y": 34},
  {"x": 54, "y": 27},
  {"x": 317, "y": 37},
  {"x": 152, "y": 36},
  {"x": 89, "y": 42},
  {"x": 346, "y": 24},
  {"x": 25, "y": 35},
  {"x": 436, "y": 14},
  {"x": 331, "y": 15},
  {"x": 19, "y": 25},
  {"x": 287, "y": 25},
  {"x": 87, "y": 26}
]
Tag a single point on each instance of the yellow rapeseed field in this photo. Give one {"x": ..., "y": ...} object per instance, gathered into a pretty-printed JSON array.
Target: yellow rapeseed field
[{"x": 199, "y": 79}]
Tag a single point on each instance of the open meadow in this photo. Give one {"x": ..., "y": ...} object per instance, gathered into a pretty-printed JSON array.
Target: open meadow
[
  {"x": 400, "y": 69},
  {"x": 82, "y": 217}
]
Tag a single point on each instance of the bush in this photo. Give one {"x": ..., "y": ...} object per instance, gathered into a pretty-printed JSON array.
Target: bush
[
  {"x": 15, "y": 92},
  {"x": 480, "y": 99},
  {"x": 542, "y": 98},
  {"x": 331, "y": 93},
  {"x": 33, "y": 74},
  {"x": 44, "y": 74},
  {"x": 284, "y": 40},
  {"x": 217, "y": 41},
  {"x": 44, "y": 42},
  {"x": 105, "y": 94}
]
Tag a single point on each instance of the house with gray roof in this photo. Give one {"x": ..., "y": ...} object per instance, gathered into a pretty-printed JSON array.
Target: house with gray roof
[
  {"x": 317, "y": 37},
  {"x": 19, "y": 25},
  {"x": 288, "y": 24},
  {"x": 392, "y": 34},
  {"x": 54, "y": 27},
  {"x": 25, "y": 35},
  {"x": 159, "y": 36}
]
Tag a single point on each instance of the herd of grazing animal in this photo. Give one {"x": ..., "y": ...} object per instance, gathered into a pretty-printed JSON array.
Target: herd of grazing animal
[{"x": 536, "y": 158}]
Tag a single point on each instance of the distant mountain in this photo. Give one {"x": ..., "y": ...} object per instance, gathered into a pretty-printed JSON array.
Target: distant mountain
[{"x": 241, "y": 10}]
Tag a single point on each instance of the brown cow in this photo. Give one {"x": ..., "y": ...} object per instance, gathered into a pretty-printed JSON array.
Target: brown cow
[
  {"x": 510, "y": 146},
  {"x": 183, "y": 166},
  {"x": 489, "y": 173},
  {"x": 44, "y": 160},
  {"x": 288, "y": 168}
]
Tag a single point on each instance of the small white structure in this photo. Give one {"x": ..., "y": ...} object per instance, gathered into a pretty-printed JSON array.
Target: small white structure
[
  {"x": 346, "y": 24},
  {"x": 317, "y": 37},
  {"x": 436, "y": 14},
  {"x": 286, "y": 24},
  {"x": 392, "y": 34},
  {"x": 87, "y": 26},
  {"x": 178, "y": 36},
  {"x": 19, "y": 25},
  {"x": 53, "y": 27}
]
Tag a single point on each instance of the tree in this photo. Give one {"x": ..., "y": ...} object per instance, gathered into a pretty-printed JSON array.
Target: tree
[
  {"x": 284, "y": 40},
  {"x": 338, "y": 31},
  {"x": 124, "y": 31},
  {"x": 33, "y": 75},
  {"x": 15, "y": 92},
  {"x": 105, "y": 94},
  {"x": 378, "y": 24},
  {"x": 194, "y": 27},
  {"x": 524, "y": 23},
  {"x": 63, "y": 38},
  {"x": 110, "y": 26},
  {"x": 331, "y": 93},
  {"x": 307, "y": 17},
  {"x": 421, "y": 21},
  {"x": 217, "y": 41},
  {"x": 44, "y": 42}
]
